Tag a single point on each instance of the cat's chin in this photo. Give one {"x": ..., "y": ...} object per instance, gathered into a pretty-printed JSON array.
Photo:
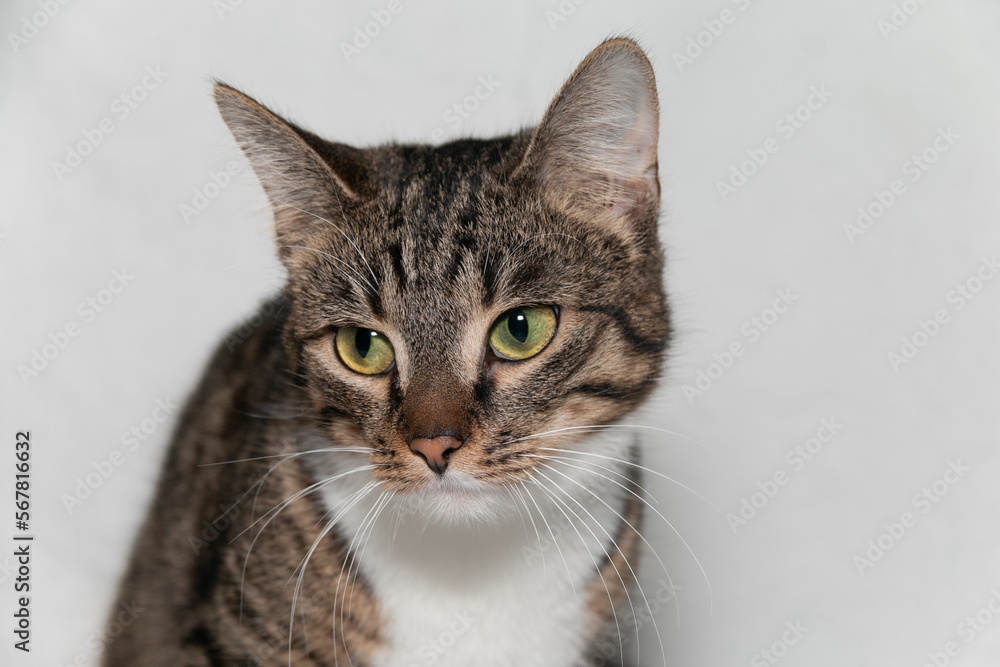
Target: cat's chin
[{"x": 456, "y": 499}]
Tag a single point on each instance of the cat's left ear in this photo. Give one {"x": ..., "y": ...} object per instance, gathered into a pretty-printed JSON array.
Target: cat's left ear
[
  {"x": 307, "y": 180},
  {"x": 595, "y": 152}
]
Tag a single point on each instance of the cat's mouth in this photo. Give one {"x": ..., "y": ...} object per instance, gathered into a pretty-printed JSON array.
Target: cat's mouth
[{"x": 459, "y": 497}]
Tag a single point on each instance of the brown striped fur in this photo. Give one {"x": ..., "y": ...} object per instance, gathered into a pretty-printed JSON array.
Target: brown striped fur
[{"x": 428, "y": 245}]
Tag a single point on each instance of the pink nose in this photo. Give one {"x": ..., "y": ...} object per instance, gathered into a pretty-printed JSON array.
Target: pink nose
[{"x": 436, "y": 451}]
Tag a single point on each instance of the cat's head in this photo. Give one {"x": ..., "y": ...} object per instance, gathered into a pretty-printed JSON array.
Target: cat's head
[{"x": 450, "y": 303}]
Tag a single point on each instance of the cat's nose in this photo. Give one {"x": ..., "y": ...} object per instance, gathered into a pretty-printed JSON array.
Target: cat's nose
[{"x": 435, "y": 451}]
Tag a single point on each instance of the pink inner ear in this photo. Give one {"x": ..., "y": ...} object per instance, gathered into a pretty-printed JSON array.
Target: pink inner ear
[
  {"x": 618, "y": 195},
  {"x": 636, "y": 193},
  {"x": 637, "y": 180},
  {"x": 618, "y": 174},
  {"x": 598, "y": 142}
]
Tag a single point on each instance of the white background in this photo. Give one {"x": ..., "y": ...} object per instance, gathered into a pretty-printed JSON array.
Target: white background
[{"x": 783, "y": 230}]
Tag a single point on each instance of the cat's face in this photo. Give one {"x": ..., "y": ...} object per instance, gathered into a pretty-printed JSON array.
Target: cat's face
[{"x": 449, "y": 304}]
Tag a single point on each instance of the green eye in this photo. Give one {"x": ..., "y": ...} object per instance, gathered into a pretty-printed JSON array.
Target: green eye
[
  {"x": 522, "y": 333},
  {"x": 364, "y": 350}
]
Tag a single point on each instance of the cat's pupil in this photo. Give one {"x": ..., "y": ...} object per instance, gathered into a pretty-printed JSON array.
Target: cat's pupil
[
  {"x": 363, "y": 341},
  {"x": 517, "y": 324}
]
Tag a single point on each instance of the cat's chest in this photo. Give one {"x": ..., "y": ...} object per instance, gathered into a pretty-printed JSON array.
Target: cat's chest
[
  {"x": 502, "y": 595},
  {"x": 526, "y": 620}
]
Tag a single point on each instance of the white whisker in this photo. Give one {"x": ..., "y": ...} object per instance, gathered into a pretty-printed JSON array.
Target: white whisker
[
  {"x": 349, "y": 558},
  {"x": 289, "y": 454},
  {"x": 277, "y": 510},
  {"x": 641, "y": 537},
  {"x": 304, "y": 563},
  {"x": 597, "y": 567},
  {"x": 569, "y": 572},
  {"x": 510, "y": 254},
  {"x": 344, "y": 234},
  {"x": 638, "y": 466},
  {"x": 683, "y": 541},
  {"x": 327, "y": 255},
  {"x": 598, "y": 427},
  {"x": 614, "y": 543},
  {"x": 541, "y": 515},
  {"x": 388, "y": 496},
  {"x": 568, "y": 462}
]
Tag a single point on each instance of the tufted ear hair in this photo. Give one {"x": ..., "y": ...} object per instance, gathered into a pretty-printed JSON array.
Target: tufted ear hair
[
  {"x": 307, "y": 180},
  {"x": 595, "y": 151}
]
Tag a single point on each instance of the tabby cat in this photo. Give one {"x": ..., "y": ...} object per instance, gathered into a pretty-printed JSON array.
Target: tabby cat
[{"x": 409, "y": 458}]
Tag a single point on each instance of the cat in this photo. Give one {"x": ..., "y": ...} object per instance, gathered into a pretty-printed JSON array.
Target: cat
[{"x": 411, "y": 458}]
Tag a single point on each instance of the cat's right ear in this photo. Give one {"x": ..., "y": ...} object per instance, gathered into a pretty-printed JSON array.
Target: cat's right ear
[
  {"x": 595, "y": 151},
  {"x": 304, "y": 188}
]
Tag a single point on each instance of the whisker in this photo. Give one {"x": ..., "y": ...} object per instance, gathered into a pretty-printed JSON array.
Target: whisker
[
  {"x": 671, "y": 525},
  {"x": 364, "y": 491},
  {"x": 637, "y": 532},
  {"x": 603, "y": 548},
  {"x": 310, "y": 489},
  {"x": 349, "y": 558},
  {"x": 569, "y": 573},
  {"x": 508, "y": 486},
  {"x": 259, "y": 484},
  {"x": 344, "y": 234},
  {"x": 351, "y": 501},
  {"x": 389, "y": 495},
  {"x": 516, "y": 488},
  {"x": 597, "y": 568},
  {"x": 598, "y": 427},
  {"x": 288, "y": 455},
  {"x": 541, "y": 515},
  {"x": 632, "y": 464},
  {"x": 635, "y": 577},
  {"x": 327, "y": 255},
  {"x": 568, "y": 462},
  {"x": 302, "y": 492},
  {"x": 510, "y": 254}
]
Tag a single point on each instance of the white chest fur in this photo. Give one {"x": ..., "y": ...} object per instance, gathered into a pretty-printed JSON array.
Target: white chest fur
[{"x": 510, "y": 592}]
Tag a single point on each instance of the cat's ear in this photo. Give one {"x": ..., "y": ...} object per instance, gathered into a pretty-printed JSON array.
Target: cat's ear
[
  {"x": 594, "y": 153},
  {"x": 306, "y": 179}
]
